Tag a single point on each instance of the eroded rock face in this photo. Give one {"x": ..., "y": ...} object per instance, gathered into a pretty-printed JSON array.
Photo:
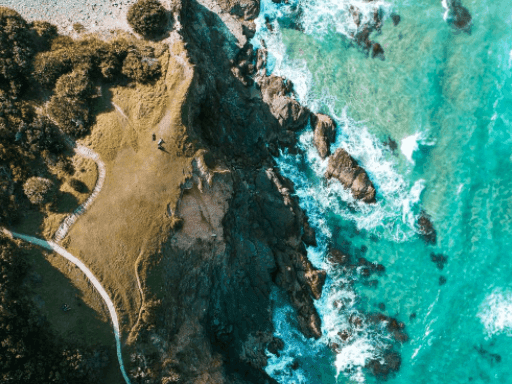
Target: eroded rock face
[
  {"x": 243, "y": 230},
  {"x": 325, "y": 133},
  {"x": 345, "y": 169},
  {"x": 288, "y": 111}
]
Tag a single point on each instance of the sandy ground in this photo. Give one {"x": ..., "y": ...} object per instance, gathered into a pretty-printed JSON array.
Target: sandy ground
[{"x": 94, "y": 15}]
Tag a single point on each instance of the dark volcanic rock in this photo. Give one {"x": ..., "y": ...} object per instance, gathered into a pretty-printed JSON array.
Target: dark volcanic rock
[
  {"x": 458, "y": 16},
  {"x": 426, "y": 228},
  {"x": 389, "y": 362},
  {"x": 345, "y": 169},
  {"x": 439, "y": 259},
  {"x": 288, "y": 111},
  {"x": 338, "y": 257},
  {"x": 325, "y": 133},
  {"x": 309, "y": 236},
  {"x": 395, "y": 18}
]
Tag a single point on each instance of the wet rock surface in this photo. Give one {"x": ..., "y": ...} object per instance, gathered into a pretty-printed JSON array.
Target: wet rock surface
[
  {"x": 345, "y": 169},
  {"x": 243, "y": 231},
  {"x": 324, "y": 133},
  {"x": 458, "y": 16},
  {"x": 426, "y": 228}
]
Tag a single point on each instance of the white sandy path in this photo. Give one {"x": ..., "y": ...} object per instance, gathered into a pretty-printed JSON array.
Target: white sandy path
[
  {"x": 50, "y": 245},
  {"x": 71, "y": 219}
]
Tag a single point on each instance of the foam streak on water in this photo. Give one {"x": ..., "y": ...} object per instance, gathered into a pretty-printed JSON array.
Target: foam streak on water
[
  {"x": 392, "y": 217},
  {"x": 496, "y": 313}
]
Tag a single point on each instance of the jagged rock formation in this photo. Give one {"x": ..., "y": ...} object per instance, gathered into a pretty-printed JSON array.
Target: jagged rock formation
[
  {"x": 325, "y": 133},
  {"x": 243, "y": 231},
  {"x": 345, "y": 169}
]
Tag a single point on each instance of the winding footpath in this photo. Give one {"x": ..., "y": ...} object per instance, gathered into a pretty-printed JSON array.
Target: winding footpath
[
  {"x": 63, "y": 231},
  {"x": 71, "y": 219},
  {"x": 50, "y": 245}
]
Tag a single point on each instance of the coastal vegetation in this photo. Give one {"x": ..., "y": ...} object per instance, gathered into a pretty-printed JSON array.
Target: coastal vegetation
[{"x": 148, "y": 18}]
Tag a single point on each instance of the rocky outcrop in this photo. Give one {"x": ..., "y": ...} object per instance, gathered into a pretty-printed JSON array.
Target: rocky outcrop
[
  {"x": 345, "y": 169},
  {"x": 325, "y": 133},
  {"x": 242, "y": 232},
  {"x": 288, "y": 111},
  {"x": 426, "y": 228},
  {"x": 457, "y": 15}
]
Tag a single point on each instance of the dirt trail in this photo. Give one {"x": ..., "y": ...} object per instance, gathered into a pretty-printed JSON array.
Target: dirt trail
[
  {"x": 71, "y": 219},
  {"x": 50, "y": 245}
]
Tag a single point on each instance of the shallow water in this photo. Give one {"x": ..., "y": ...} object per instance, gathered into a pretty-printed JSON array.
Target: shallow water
[{"x": 445, "y": 98}]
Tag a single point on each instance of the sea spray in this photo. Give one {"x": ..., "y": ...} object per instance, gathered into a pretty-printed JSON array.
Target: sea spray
[
  {"x": 393, "y": 217},
  {"x": 496, "y": 313}
]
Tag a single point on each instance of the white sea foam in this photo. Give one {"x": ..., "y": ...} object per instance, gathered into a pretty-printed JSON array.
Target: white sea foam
[
  {"x": 496, "y": 313},
  {"x": 323, "y": 16},
  {"x": 393, "y": 216},
  {"x": 409, "y": 145}
]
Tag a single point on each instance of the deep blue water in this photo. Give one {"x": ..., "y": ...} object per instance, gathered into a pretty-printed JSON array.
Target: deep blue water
[{"x": 445, "y": 98}]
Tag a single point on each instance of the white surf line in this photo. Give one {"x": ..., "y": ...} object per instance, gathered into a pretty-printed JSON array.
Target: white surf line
[
  {"x": 50, "y": 245},
  {"x": 71, "y": 219}
]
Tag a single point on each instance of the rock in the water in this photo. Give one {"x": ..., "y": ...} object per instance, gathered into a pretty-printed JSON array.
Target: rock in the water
[
  {"x": 325, "y": 133},
  {"x": 338, "y": 257},
  {"x": 316, "y": 281},
  {"x": 290, "y": 114},
  {"x": 288, "y": 111},
  {"x": 395, "y": 18},
  {"x": 439, "y": 259},
  {"x": 457, "y": 15},
  {"x": 389, "y": 362},
  {"x": 309, "y": 235},
  {"x": 426, "y": 228},
  {"x": 344, "y": 168}
]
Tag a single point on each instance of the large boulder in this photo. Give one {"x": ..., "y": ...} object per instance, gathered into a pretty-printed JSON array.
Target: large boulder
[
  {"x": 288, "y": 111},
  {"x": 457, "y": 15},
  {"x": 345, "y": 169},
  {"x": 325, "y": 133}
]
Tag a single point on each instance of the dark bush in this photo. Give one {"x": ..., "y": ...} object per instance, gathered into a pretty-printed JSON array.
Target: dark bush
[
  {"x": 43, "y": 34},
  {"x": 78, "y": 186},
  {"x": 141, "y": 68},
  {"x": 39, "y": 190},
  {"x": 16, "y": 50},
  {"x": 148, "y": 18},
  {"x": 49, "y": 66},
  {"x": 72, "y": 115}
]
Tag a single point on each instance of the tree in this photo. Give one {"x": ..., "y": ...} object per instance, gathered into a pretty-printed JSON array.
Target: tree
[
  {"x": 141, "y": 68},
  {"x": 39, "y": 190},
  {"x": 43, "y": 34},
  {"x": 16, "y": 50},
  {"x": 147, "y": 17}
]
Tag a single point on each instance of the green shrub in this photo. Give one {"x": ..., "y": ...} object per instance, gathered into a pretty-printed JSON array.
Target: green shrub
[
  {"x": 43, "y": 34},
  {"x": 72, "y": 115},
  {"x": 141, "y": 68},
  {"x": 16, "y": 50},
  {"x": 49, "y": 66},
  {"x": 148, "y": 18},
  {"x": 75, "y": 85},
  {"x": 39, "y": 190}
]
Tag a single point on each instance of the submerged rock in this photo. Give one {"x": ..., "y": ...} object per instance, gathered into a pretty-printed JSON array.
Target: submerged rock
[
  {"x": 325, "y": 133},
  {"x": 457, "y": 15},
  {"x": 338, "y": 257},
  {"x": 389, "y": 362},
  {"x": 345, "y": 169},
  {"x": 439, "y": 259},
  {"x": 426, "y": 228}
]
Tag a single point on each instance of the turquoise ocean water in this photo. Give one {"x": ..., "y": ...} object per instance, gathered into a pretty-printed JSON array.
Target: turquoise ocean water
[{"x": 445, "y": 98}]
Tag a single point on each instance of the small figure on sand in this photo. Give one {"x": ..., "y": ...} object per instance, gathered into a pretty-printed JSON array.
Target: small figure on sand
[{"x": 160, "y": 142}]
